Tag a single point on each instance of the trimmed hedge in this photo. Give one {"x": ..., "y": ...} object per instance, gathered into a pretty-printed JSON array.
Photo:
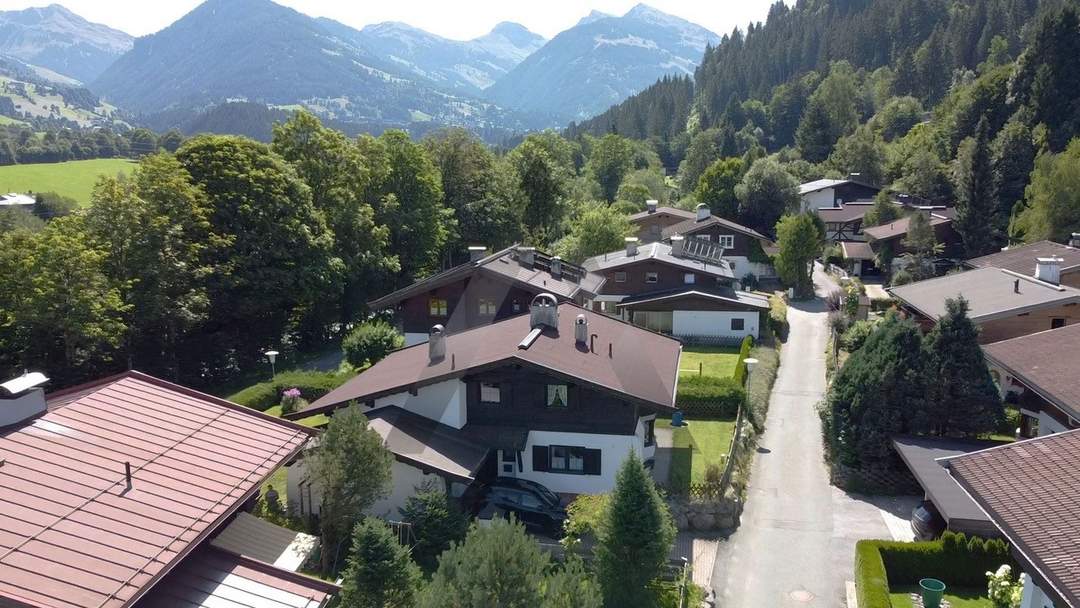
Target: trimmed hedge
[
  {"x": 709, "y": 396},
  {"x": 312, "y": 385},
  {"x": 778, "y": 323},
  {"x": 957, "y": 560},
  {"x": 744, "y": 352}
]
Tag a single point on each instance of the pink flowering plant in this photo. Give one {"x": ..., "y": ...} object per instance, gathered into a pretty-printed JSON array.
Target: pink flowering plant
[{"x": 291, "y": 400}]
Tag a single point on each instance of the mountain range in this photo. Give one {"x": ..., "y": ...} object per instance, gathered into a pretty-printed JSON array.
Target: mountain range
[
  {"x": 386, "y": 75},
  {"x": 58, "y": 40}
]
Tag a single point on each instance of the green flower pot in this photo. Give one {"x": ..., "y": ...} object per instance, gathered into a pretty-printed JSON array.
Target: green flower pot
[{"x": 932, "y": 590}]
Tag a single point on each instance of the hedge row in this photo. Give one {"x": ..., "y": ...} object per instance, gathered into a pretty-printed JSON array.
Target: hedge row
[
  {"x": 709, "y": 396},
  {"x": 744, "y": 352},
  {"x": 955, "y": 559},
  {"x": 312, "y": 385}
]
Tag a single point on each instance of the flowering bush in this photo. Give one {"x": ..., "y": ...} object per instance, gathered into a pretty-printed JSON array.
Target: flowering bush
[
  {"x": 291, "y": 400},
  {"x": 1004, "y": 591}
]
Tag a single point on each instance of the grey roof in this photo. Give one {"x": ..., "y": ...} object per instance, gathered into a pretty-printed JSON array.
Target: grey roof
[
  {"x": 1022, "y": 257},
  {"x": 848, "y": 212},
  {"x": 733, "y": 296},
  {"x": 856, "y": 250},
  {"x": 427, "y": 444},
  {"x": 683, "y": 213},
  {"x": 692, "y": 225},
  {"x": 660, "y": 252},
  {"x": 820, "y": 184},
  {"x": 259, "y": 539},
  {"x": 990, "y": 293},
  {"x": 920, "y": 454},
  {"x": 505, "y": 264}
]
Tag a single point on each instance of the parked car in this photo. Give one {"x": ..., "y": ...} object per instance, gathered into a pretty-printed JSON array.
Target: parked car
[
  {"x": 531, "y": 503},
  {"x": 926, "y": 522}
]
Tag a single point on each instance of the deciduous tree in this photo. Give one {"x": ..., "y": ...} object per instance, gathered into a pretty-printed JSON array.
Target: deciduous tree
[
  {"x": 800, "y": 238},
  {"x": 610, "y": 161},
  {"x": 716, "y": 187},
  {"x": 766, "y": 192},
  {"x": 597, "y": 229},
  {"x": 1052, "y": 200}
]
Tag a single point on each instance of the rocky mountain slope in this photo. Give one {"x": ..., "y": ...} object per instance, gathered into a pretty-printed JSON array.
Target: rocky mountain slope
[{"x": 59, "y": 41}]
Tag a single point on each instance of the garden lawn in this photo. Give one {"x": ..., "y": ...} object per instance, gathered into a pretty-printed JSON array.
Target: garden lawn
[
  {"x": 74, "y": 178},
  {"x": 717, "y": 361},
  {"x": 900, "y": 597},
  {"x": 696, "y": 446}
]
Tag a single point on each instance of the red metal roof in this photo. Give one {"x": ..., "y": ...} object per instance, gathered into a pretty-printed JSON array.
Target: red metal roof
[
  {"x": 215, "y": 578},
  {"x": 73, "y": 533}
]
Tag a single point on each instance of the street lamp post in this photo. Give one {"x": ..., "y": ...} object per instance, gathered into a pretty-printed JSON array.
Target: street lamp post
[{"x": 272, "y": 355}]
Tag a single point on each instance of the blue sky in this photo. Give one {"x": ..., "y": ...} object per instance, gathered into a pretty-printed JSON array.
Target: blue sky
[{"x": 459, "y": 20}]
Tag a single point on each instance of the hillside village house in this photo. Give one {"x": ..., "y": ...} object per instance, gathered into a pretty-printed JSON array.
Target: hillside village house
[
  {"x": 485, "y": 289},
  {"x": 1043, "y": 370},
  {"x": 132, "y": 491},
  {"x": 1022, "y": 259},
  {"x": 861, "y": 257},
  {"x": 844, "y": 222},
  {"x": 823, "y": 193},
  {"x": 671, "y": 289},
  {"x": 1003, "y": 303},
  {"x": 1029, "y": 490},
  {"x": 560, "y": 396}
]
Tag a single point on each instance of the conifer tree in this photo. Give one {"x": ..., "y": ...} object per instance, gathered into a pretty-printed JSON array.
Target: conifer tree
[
  {"x": 962, "y": 398},
  {"x": 976, "y": 213},
  {"x": 380, "y": 573}
]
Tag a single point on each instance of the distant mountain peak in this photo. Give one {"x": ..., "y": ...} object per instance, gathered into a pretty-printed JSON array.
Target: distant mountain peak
[
  {"x": 594, "y": 15},
  {"x": 55, "y": 38}
]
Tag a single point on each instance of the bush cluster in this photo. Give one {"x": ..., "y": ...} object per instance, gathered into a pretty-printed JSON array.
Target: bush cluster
[
  {"x": 710, "y": 397},
  {"x": 955, "y": 559},
  {"x": 369, "y": 342},
  {"x": 853, "y": 339},
  {"x": 312, "y": 385}
]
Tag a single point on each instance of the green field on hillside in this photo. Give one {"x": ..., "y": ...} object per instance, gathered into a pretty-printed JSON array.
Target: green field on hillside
[{"x": 74, "y": 178}]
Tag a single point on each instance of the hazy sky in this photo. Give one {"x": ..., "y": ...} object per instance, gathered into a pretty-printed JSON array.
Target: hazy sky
[{"x": 462, "y": 19}]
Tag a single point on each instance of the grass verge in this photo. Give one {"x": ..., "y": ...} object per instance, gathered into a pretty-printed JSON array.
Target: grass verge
[
  {"x": 74, "y": 178},
  {"x": 695, "y": 447},
  {"x": 900, "y": 597},
  {"x": 719, "y": 361}
]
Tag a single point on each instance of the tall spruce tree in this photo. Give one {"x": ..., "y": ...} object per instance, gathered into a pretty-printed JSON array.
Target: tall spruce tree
[
  {"x": 635, "y": 538},
  {"x": 962, "y": 399},
  {"x": 976, "y": 212},
  {"x": 380, "y": 573}
]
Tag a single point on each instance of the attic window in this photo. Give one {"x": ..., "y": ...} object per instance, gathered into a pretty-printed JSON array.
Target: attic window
[
  {"x": 437, "y": 307},
  {"x": 487, "y": 307},
  {"x": 727, "y": 241},
  {"x": 652, "y": 277},
  {"x": 557, "y": 396},
  {"x": 490, "y": 393},
  {"x": 620, "y": 277}
]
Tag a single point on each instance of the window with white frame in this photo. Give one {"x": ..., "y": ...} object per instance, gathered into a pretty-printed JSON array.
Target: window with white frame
[
  {"x": 490, "y": 393},
  {"x": 566, "y": 459},
  {"x": 487, "y": 307},
  {"x": 620, "y": 277},
  {"x": 727, "y": 241},
  {"x": 557, "y": 395},
  {"x": 652, "y": 277},
  {"x": 689, "y": 278}
]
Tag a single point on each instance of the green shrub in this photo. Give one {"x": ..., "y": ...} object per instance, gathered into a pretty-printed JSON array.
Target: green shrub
[
  {"x": 312, "y": 385},
  {"x": 853, "y": 339},
  {"x": 437, "y": 522},
  {"x": 710, "y": 396},
  {"x": 370, "y": 341},
  {"x": 778, "y": 323},
  {"x": 871, "y": 583}
]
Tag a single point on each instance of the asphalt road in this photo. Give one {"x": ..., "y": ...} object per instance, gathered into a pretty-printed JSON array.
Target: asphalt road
[{"x": 795, "y": 544}]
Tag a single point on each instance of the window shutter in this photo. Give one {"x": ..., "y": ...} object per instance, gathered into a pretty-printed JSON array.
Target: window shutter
[
  {"x": 541, "y": 461},
  {"x": 592, "y": 462}
]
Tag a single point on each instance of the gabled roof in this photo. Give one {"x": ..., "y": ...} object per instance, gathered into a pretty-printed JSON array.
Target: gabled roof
[
  {"x": 1047, "y": 363},
  {"x": 428, "y": 444},
  {"x": 73, "y": 533},
  {"x": 661, "y": 211},
  {"x": 213, "y": 578},
  {"x": 820, "y": 184},
  {"x": 848, "y": 212},
  {"x": 505, "y": 264},
  {"x": 660, "y": 252},
  {"x": 991, "y": 293},
  {"x": 1029, "y": 489},
  {"x": 730, "y": 296},
  {"x": 693, "y": 225},
  {"x": 899, "y": 228},
  {"x": 1021, "y": 258},
  {"x": 643, "y": 366}
]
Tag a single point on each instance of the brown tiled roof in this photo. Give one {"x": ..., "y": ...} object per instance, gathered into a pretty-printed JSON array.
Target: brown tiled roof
[
  {"x": 1046, "y": 362},
  {"x": 725, "y": 297},
  {"x": 213, "y": 578},
  {"x": 898, "y": 228},
  {"x": 644, "y": 365},
  {"x": 692, "y": 225},
  {"x": 427, "y": 444},
  {"x": 1030, "y": 489},
  {"x": 504, "y": 264},
  {"x": 73, "y": 533},
  {"x": 1022, "y": 257},
  {"x": 991, "y": 293},
  {"x": 848, "y": 212},
  {"x": 673, "y": 211}
]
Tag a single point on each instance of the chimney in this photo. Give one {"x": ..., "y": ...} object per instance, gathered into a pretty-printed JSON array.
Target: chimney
[
  {"x": 1016, "y": 286},
  {"x": 1048, "y": 269},
  {"x": 631, "y": 246},
  {"x": 581, "y": 330},
  {"x": 651, "y": 204},
  {"x": 22, "y": 398},
  {"x": 1075, "y": 240},
  {"x": 526, "y": 255},
  {"x": 703, "y": 212},
  {"x": 477, "y": 253},
  {"x": 678, "y": 245},
  {"x": 556, "y": 267},
  {"x": 544, "y": 312},
  {"x": 437, "y": 344}
]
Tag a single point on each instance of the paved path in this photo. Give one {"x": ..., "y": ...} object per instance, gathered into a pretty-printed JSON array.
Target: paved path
[{"x": 795, "y": 544}]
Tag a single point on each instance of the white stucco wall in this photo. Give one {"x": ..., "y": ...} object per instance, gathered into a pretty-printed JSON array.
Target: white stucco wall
[
  {"x": 1034, "y": 597},
  {"x": 712, "y": 323},
  {"x": 444, "y": 401},
  {"x": 819, "y": 199},
  {"x": 614, "y": 449},
  {"x": 649, "y": 451},
  {"x": 303, "y": 497},
  {"x": 1049, "y": 426}
]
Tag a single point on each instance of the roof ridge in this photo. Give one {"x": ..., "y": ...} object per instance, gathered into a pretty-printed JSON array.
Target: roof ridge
[{"x": 1035, "y": 280}]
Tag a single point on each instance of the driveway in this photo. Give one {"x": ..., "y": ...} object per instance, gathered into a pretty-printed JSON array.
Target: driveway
[{"x": 796, "y": 542}]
